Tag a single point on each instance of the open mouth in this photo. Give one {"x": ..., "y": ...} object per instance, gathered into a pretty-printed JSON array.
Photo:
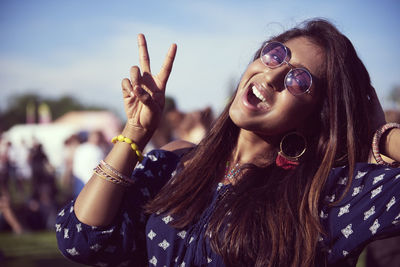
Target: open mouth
[{"x": 256, "y": 99}]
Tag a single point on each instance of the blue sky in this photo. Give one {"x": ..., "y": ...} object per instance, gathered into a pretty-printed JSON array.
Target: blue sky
[{"x": 85, "y": 48}]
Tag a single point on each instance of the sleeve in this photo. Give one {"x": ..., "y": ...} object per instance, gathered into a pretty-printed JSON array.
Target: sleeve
[
  {"x": 122, "y": 242},
  {"x": 370, "y": 210}
]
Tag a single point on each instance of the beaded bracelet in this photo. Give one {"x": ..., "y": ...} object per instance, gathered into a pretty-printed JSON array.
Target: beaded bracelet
[
  {"x": 376, "y": 140},
  {"x": 134, "y": 147}
]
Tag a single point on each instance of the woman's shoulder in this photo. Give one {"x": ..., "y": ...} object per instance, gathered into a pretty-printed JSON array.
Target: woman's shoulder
[
  {"x": 366, "y": 177},
  {"x": 178, "y": 147}
]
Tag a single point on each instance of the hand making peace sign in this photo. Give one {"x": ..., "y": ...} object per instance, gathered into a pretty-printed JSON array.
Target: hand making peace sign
[{"x": 144, "y": 93}]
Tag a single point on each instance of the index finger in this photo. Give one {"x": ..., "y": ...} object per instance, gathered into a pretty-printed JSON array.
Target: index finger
[
  {"x": 167, "y": 65},
  {"x": 144, "y": 59}
]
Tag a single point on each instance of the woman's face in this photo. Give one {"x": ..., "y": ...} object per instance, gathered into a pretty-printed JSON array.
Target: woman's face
[{"x": 280, "y": 111}]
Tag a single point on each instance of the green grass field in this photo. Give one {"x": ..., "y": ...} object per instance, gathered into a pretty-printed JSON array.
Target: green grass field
[
  {"x": 40, "y": 249},
  {"x": 31, "y": 249}
]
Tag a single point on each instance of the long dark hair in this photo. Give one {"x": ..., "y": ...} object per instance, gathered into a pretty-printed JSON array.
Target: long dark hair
[{"x": 270, "y": 217}]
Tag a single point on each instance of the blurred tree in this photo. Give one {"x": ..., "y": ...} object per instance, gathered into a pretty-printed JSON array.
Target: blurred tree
[
  {"x": 16, "y": 111},
  {"x": 394, "y": 95}
]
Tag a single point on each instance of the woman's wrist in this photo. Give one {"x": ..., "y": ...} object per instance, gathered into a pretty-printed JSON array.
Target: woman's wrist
[
  {"x": 385, "y": 141},
  {"x": 137, "y": 134},
  {"x": 391, "y": 144}
]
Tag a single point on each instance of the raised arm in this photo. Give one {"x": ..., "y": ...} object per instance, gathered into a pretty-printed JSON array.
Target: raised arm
[
  {"x": 391, "y": 144},
  {"x": 387, "y": 143},
  {"x": 144, "y": 97}
]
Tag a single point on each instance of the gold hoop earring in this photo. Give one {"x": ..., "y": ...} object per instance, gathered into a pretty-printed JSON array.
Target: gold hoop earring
[{"x": 292, "y": 146}]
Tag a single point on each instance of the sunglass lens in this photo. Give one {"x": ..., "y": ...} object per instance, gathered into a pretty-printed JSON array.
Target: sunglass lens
[
  {"x": 298, "y": 81},
  {"x": 273, "y": 54}
]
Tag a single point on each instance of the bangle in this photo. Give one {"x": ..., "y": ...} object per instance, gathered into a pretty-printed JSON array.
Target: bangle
[
  {"x": 104, "y": 175},
  {"x": 376, "y": 140},
  {"x": 121, "y": 176},
  {"x": 127, "y": 140}
]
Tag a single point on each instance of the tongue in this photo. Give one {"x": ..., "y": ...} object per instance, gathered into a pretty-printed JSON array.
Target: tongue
[
  {"x": 253, "y": 99},
  {"x": 262, "y": 105}
]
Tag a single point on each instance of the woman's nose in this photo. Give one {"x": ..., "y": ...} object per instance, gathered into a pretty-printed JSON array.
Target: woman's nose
[{"x": 275, "y": 77}]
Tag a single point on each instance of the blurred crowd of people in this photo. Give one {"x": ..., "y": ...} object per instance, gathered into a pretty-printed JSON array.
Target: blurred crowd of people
[
  {"x": 28, "y": 188},
  {"x": 32, "y": 190}
]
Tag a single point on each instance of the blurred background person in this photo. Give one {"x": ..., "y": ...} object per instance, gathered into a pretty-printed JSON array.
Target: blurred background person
[
  {"x": 7, "y": 216},
  {"x": 87, "y": 155},
  {"x": 67, "y": 182},
  {"x": 178, "y": 125},
  {"x": 23, "y": 170},
  {"x": 6, "y": 166},
  {"x": 42, "y": 206}
]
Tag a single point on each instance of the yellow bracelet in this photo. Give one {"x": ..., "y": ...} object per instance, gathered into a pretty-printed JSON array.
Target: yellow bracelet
[{"x": 127, "y": 140}]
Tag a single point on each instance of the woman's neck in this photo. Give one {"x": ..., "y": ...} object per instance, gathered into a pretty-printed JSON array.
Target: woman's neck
[{"x": 253, "y": 148}]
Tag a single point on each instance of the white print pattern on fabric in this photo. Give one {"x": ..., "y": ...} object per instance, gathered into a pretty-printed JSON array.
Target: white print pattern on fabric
[
  {"x": 182, "y": 234},
  {"x": 167, "y": 219},
  {"x": 357, "y": 190},
  {"x": 107, "y": 231},
  {"x": 344, "y": 210},
  {"x": 369, "y": 209},
  {"x": 343, "y": 181},
  {"x": 152, "y": 157},
  {"x": 323, "y": 215},
  {"x": 376, "y": 191},
  {"x": 378, "y": 178},
  {"x": 374, "y": 227},
  {"x": 391, "y": 203},
  {"x": 153, "y": 261},
  {"x": 73, "y": 251},
  {"x": 61, "y": 213},
  {"x": 66, "y": 233},
  {"x": 151, "y": 234},
  {"x": 330, "y": 198},
  {"x": 164, "y": 245},
  {"x": 360, "y": 174},
  {"x": 364, "y": 212},
  {"x": 347, "y": 231},
  {"x": 396, "y": 220},
  {"x": 79, "y": 227},
  {"x": 369, "y": 213}
]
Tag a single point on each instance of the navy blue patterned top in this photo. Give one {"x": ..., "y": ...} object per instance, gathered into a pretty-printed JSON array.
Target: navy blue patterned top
[{"x": 370, "y": 210}]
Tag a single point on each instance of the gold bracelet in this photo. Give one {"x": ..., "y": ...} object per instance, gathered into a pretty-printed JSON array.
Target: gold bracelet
[{"x": 104, "y": 175}]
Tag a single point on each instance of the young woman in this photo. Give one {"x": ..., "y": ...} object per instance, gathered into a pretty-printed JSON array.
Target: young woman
[{"x": 282, "y": 179}]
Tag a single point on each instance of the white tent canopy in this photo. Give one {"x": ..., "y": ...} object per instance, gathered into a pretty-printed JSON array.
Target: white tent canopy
[{"x": 53, "y": 135}]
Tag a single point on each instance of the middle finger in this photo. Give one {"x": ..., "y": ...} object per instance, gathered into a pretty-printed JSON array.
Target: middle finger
[{"x": 144, "y": 58}]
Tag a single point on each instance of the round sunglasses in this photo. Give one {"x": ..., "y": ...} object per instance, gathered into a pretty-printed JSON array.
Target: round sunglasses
[{"x": 297, "y": 81}]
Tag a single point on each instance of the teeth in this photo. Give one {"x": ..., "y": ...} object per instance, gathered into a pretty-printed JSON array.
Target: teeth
[{"x": 258, "y": 94}]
